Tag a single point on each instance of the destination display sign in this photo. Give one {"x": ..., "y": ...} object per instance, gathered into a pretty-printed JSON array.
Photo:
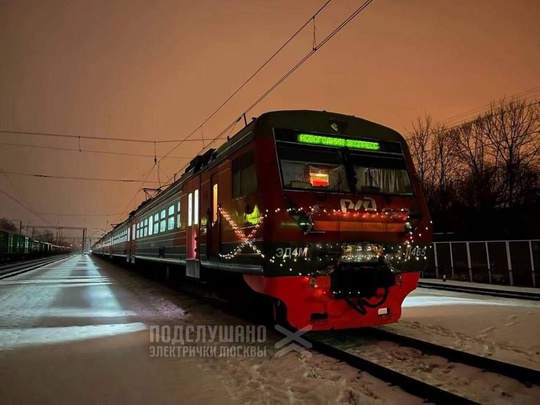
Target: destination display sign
[
  {"x": 368, "y": 144},
  {"x": 339, "y": 142}
]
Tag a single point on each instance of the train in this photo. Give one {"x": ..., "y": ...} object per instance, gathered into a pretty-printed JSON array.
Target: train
[
  {"x": 14, "y": 246},
  {"x": 322, "y": 213}
]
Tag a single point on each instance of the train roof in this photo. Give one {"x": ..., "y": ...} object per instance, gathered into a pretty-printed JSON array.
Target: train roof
[
  {"x": 327, "y": 122},
  {"x": 323, "y": 122}
]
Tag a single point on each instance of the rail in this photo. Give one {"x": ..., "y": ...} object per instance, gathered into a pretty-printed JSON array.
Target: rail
[
  {"x": 14, "y": 269},
  {"x": 525, "y": 295}
]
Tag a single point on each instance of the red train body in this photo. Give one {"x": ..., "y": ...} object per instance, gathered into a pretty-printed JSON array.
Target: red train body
[{"x": 321, "y": 212}]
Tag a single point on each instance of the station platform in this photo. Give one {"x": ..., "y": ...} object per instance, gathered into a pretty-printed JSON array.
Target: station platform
[
  {"x": 78, "y": 331},
  {"x": 465, "y": 286}
]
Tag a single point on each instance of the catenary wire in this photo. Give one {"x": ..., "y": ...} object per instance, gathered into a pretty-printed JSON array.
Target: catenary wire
[
  {"x": 523, "y": 95},
  {"x": 24, "y": 145},
  {"x": 24, "y": 206},
  {"x": 75, "y": 178},
  {"x": 79, "y": 137},
  {"x": 233, "y": 94},
  {"x": 251, "y": 77},
  {"x": 291, "y": 71},
  {"x": 29, "y": 206}
]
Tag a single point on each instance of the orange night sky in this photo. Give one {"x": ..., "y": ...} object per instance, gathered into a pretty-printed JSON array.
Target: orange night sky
[{"x": 155, "y": 70}]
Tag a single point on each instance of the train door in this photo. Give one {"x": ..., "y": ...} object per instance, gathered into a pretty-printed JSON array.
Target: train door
[
  {"x": 128, "y": 243},
  {"x": 192, "y": 235},
  {"x": 214, "y": 218}
]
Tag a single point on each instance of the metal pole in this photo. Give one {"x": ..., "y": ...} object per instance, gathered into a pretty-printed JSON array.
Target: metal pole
[
  {"x": 436, "y": 260},
  {"x": 451, "y": 259},
  {"x": 469, "y": 261},
  {"x": 488, "y": 262},
  {"x": 532, "y": 264},
  {"x": 83, "y": 242},
  {"x": 509, "y": 259}
]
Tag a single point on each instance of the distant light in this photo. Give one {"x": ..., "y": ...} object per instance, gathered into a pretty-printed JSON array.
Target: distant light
[{"x": 340, "y": 142}]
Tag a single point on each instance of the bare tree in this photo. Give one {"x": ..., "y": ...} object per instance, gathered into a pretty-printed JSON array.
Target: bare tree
[
  {"x": 7, "y": 225},
  {"x": 482, "y": 178},
  {"x": 420, "y": 140},
  {"x": 512, "y": 128},
  {"x": 477, "y": 175},
  {"x": 45, "y": 236},
  {"x": 433, "y": 155},
  {"x": 444, "y": 168}
]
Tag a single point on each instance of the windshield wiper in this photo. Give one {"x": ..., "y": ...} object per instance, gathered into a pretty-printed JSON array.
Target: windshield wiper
[
  {"x": 370, "y": 175},
  {"x": 349, "y": 170}
]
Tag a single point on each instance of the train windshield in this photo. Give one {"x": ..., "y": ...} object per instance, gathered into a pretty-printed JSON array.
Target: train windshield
[
  {"x": 381, "y": 174},
  {"x": 341, "y": 171},
  {"x": 313, "y": 168}
]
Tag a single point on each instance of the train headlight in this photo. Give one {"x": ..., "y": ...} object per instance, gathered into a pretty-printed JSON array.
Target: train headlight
[
  {"x": 415, "y": 215},
  {"x": 304, "y": 222}
]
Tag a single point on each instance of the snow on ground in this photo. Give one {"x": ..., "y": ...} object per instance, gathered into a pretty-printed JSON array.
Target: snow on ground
[
  {"x": 501, "y": 328},
  {"x": 470, "y": 382},
  {"x": 78, "y": 332}
]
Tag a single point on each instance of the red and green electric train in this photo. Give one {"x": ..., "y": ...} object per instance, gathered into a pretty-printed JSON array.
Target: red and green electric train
[{"x": 320, "y": 212}]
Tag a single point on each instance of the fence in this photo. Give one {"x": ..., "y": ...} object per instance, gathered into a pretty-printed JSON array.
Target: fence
[{"x": 495, "y": 262}]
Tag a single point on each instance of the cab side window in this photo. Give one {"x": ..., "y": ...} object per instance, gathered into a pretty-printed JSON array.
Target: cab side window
[{"x": 244, "y": 175}]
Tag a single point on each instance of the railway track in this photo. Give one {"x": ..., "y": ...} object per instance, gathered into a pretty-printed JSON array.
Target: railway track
[
  {"x": 428, "y": 392},
  {"x": 524, "y": 375},
  {"x": 418, "y": 388},
  {"x": 524, "y": 295},
  {"x": 13, "y": 269}
]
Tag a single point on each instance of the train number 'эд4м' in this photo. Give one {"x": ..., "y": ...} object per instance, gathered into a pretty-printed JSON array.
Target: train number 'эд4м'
[{"x": 320, "y": 212}]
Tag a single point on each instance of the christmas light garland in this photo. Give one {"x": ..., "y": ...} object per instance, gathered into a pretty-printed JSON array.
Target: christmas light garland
[{"x": 245, "y": 240}]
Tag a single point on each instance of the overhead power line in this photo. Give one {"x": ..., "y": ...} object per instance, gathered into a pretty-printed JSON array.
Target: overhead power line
[
  {"x": 281, "y": 80},
  {"x": 145, "y": 175},
  {"x": 93, "y": 138},
  {"x": 310, "y": 54},
  {"x": 529, "y": 93},
  {"x": 445, "y": 130},
  {"x": 312, "y": 18},
  {"x": 23, "y": 145},
  {"x": 24, "y": 206},
  {"x": 76, "y": 178},
  {"x": 286, "y": 75},
  {"x": 78, "y": 215}
]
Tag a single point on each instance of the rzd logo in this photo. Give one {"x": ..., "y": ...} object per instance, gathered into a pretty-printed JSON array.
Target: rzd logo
[{"x": 367, "y": 203}]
